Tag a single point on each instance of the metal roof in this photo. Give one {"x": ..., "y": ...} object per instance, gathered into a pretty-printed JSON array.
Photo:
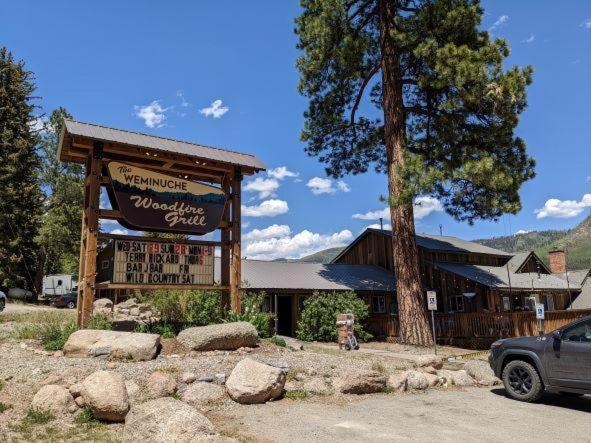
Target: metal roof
[
  {"x": 496, "y": 277},
  {"x": 315, "y": 276},
  {"x": 137, "y": 139}
]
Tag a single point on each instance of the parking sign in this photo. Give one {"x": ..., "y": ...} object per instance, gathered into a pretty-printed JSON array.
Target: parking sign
[
  {"x": 432, "y": 300},
  {"x": 539, "y": 311}
]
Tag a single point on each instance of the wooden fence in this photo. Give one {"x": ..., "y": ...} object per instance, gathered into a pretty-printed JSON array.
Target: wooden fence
[{"x": 480, "y": 329}]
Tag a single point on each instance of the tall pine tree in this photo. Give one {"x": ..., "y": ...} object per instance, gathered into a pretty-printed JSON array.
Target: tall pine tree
[
  {"x": 445, "y": 120},
  {"x": 59, "y": 234},
  {"x": 20, "y": 193}
]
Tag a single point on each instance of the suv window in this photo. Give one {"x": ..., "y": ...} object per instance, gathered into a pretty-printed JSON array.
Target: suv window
[{"x": 580, "y": 333}]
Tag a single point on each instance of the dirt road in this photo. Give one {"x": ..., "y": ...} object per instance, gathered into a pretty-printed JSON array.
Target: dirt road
[
  {"x": 477, "y": 414},
  {"x": 19, "y": 307}
]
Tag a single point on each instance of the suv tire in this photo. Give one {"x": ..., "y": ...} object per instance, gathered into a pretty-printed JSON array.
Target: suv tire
[{"x": 522, "y": 381}]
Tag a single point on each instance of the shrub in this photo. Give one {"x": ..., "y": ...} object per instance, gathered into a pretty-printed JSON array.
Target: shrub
[
  {"x": 163, "y": 329},
  {"x": 100, "y": 321},
  {"x": 182, "y": 309},
  {"x": 278, "y": 341},
  {"x": 318, "y": 319},
  {"x": 85, "y": 416},
  {"x": 252, "y": 312}
]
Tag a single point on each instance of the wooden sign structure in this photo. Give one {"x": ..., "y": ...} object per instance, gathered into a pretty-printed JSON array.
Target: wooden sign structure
[{"x": 156, "y": 184}]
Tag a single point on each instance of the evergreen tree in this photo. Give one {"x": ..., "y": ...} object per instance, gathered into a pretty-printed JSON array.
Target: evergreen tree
[
  {"x": 447, "y": 111},
  {"x": 20, "y": 193},
  {"x": 59, "y": 234}
]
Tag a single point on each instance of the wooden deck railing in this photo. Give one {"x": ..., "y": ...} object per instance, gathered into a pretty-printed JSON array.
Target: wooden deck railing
[{"x": 485, "y": 327}]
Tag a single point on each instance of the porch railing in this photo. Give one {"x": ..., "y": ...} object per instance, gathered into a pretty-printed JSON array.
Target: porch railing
[{"x": 484, "y": 327}]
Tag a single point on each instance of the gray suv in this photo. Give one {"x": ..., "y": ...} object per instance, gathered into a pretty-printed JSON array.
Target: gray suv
[{"x": 559, "y": 361}]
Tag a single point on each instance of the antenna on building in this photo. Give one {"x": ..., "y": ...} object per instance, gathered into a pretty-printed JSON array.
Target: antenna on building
[
  {"x": 381, "y": 223},
  {"x": 441, "y": 230}
]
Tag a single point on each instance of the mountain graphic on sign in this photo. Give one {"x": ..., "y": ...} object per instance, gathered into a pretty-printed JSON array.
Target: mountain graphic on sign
[{"x": 210, "y": 198}]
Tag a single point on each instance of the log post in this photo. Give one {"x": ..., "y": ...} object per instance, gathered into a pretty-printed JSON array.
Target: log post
[
  {"x": 236, "y": 274},
  {"x": 225, "y": 249},
  {"x": 91, "y": 232}
]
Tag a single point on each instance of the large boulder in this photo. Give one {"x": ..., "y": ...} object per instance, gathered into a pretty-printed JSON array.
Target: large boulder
[
  {"x": 118, "y": 344},
  {"x": 224, "y": 336},
  {"x": 104, "y": 392},
  {"x": 457, "y": 378},
  {"x": 53, "y": 398},
  {"x": 361, "y": 382},
  {"x": 481, "y": 372},
  {"x": 203, "y": 394},
  {"x": 160, "y": 384},
  {"x": 165, "y": 420},
  {"x": 102, "y": 306},
  {"x": 398, "y": 381},
  {"x": 417, "y": 381},
  {"x": 254, "y": 382}
]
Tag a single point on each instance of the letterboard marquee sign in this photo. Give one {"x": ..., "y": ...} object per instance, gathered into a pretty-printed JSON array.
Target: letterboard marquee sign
[
  {"x": 160, "y": 263},
  {"x": 158, "y": 202}
]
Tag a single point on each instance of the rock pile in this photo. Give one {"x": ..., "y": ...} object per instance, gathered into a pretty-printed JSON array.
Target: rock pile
[{"x": 126, "y": 314}]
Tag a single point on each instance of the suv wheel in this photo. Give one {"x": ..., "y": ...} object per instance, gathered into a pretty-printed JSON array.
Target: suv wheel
[
  {"x": 522, "y": 381},
  {"x": 71, "y": 305}
]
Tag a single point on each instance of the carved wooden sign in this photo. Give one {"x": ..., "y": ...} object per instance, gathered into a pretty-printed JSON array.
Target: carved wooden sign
[{"x": 158, "y": 202}]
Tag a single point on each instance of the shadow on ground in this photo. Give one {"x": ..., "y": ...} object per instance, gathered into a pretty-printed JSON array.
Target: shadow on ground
[{"x": 582, "y": 404}]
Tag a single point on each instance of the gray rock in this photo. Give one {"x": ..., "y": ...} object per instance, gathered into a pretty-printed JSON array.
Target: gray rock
[
  {"x": 118, "y": 344},
  {"x": 254, "y": 382},
  {"x": 160, "y": 384},
  {"x": 106, "y": 395},
  {"x": 481, "y": 372},
  {"x": 417, "y": 381},
  {"x": 220, "y": 378},
  {"x": 225, "y": 336},
  {"x": 53, "y": 398},
  {"x": 457, "y": 378},
  {"x": 398, "y": 381},
  {"x": 361, "y": 382},
  {"x": 188, "y": 378},
  {"x": 201, "y": 394},
  {"x": 165, "y": 420}
]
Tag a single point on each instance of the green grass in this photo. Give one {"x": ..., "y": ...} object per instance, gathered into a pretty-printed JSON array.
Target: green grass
[
  {"x": 39, "y": 416},
  {"x": 84, "y": 417},
  {"x": 100, "y": 321},
  {"x": 4, "y": 407},
  {"x": 51, "y": 328},
  {"x": 278, "y": 341},
  {"x": 297, "y": 394}
]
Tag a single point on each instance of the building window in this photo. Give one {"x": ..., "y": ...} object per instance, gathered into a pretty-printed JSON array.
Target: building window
[
  {"x": 394, "y": 307},
  {"x": 456, "y": 303},
  {"x": 105, "y": 264},
  {"x": 378, "y": 304}
]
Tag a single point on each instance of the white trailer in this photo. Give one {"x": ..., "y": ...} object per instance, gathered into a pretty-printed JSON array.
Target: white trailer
[{"x": 61, "y": 284}]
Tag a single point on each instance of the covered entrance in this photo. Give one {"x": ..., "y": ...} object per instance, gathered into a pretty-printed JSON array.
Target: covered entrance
[{"x": 285, "y": 325}]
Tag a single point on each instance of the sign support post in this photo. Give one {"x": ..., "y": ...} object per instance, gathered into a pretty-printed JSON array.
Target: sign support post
[{"x": 432, "y": 306}]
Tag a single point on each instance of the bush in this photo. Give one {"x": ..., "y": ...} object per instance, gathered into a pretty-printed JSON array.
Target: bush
[
  {"x": 252, "y": 312},
  {"x": 163, "y": 329},
  {"x": 318, "y": 319},
  {"x": 39, "y": 416},
  {"x": 278, "y": 341},
  {"x": 182, "y": 309},
  {"x": 100, "y": 321}
]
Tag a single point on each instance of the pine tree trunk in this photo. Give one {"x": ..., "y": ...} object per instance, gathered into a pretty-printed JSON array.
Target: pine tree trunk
[{"x": 414, "y": 323}]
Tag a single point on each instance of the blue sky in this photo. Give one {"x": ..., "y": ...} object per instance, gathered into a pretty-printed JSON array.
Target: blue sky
[{"x": 222, "y": 73}]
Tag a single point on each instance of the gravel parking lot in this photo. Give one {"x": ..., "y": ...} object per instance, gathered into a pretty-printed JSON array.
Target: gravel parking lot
[{"x": 472, "y": 414}]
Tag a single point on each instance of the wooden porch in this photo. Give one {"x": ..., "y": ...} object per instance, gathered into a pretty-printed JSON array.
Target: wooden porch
[{"x": 479, "y": 329}]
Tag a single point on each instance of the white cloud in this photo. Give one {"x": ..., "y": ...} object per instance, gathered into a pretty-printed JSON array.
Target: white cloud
[
  {"x": 586, "y": 24},
  {"x": 500, "y": 22},
  {"x": 245, "y": 224},
  {"x": 530, "y": 39},
  {"x": 326, "y": 186},
  {"x": 522, "y": 231},
  {"x": 268, "y": 208},
  {"x": 273, "y": 231},
  {"x": 266, "y": 187},
  {"x": 296, "y": 246},
  {"x": 423, "y": 207},
  {"x": 120, "y": 231},
  {"x": 281, "y": 172},
  {"x": 563, "y": 208},
  {"x": 38, "y": 123},
  {"x": 107, "y": 221},
  {"x": 184, "y": 102},
  {"x": 153, "y": 114},
  {"x": 215, "y": 110}
]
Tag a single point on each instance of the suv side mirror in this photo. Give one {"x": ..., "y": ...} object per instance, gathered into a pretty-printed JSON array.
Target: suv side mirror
[{"x": 557, "y": 335}]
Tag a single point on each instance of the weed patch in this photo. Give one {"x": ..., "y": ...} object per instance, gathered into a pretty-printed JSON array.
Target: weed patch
[
  {"x": 4, "y": 407},
  {"x": 297, "y": 394},
  {"x": 39, "y": 416}
]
